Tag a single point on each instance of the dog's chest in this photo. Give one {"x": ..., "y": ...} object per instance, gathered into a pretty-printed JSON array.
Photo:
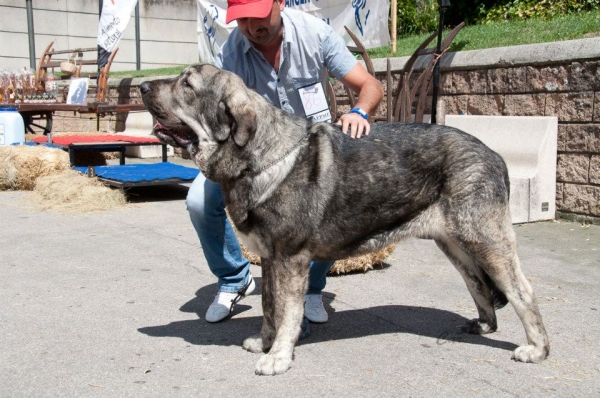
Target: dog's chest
[
  {"x": 246, "y": 231},
  {"x": 254, "y": 243}
]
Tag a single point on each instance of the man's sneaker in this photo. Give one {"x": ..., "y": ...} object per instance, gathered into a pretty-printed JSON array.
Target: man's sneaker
[
  {"x": 313, "y": 308},
  {"x": 224, "y": 302}
]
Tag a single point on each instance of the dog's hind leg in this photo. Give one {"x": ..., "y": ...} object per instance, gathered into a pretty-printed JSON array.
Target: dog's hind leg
[
  {"x": 504, "y": 268},
  {"x": 287, "y": 289},
  {"x": 478, "y": 284},
  {"x": 494, "y": 249}
]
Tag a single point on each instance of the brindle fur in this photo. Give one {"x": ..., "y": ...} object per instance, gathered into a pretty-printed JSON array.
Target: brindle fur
[{"x": 298, "y": 192}]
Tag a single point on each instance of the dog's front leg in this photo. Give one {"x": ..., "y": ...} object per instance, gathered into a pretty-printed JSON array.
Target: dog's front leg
[
  {"x": 264, "y": 341},
  {"x": 286, "y": 309}
]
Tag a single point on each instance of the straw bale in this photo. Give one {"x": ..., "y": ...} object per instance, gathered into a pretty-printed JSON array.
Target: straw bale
[
  {"x": 21, "y": 165},
  {"x": 352, "y": 264},
  {"x": 71, "y": 191},
  {"x": 361, "y": 263},
  {"x": 8, "y": 176}
]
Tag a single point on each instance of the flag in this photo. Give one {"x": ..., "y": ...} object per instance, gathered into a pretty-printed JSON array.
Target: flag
[{"x": 113, "y": 21}]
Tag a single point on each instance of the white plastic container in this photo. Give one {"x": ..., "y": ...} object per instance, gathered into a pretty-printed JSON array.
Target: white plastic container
[{"x": 12, "y": 128}]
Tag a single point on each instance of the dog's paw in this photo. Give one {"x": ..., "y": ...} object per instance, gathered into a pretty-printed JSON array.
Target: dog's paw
[
  {"x": 254, "y": 344},
  {"x": 475, "y": 326},
  {"x": 530, "y": 353},
  {"x": 270, "y": 365}
]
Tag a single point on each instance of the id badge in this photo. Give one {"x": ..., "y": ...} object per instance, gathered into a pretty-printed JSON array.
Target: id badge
[{"x": 315, "y": 103}]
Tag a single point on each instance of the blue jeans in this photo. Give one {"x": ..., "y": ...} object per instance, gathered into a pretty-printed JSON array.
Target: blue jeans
[{"x": 221, "y": 248}]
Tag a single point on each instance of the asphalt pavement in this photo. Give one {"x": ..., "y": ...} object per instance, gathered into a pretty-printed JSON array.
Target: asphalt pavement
[{"x": 112, "y": 303}]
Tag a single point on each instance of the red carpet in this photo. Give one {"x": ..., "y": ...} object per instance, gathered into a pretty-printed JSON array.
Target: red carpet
[{"x": 71, "y": 139}]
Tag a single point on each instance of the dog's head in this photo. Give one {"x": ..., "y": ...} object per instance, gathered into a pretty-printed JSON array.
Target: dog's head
[{"x": 204, "y": 109}]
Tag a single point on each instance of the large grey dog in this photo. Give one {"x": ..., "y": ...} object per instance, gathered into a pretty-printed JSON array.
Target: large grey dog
[{"x": 298, "y": 192}]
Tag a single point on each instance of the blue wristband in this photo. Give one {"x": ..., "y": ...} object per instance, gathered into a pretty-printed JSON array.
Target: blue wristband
[{"x": 360, "y": 112}]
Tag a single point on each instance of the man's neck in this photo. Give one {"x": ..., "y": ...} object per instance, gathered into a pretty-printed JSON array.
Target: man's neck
[{"x": 271, "y": 50}]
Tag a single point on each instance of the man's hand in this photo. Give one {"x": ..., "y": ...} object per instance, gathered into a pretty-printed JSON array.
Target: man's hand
[
  {"x": 369, "y": 93},
  {"x": 354, "y": 124}
]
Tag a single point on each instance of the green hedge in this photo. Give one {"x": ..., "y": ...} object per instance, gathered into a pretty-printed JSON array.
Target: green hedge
[
  {"x": 421, "y": 16},
  {"x": 417, "y": 16},
  {"x": 545, "y": 9}
]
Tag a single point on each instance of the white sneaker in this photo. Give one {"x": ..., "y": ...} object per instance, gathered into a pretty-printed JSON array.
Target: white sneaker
[
  {"x": 313, "y": 308},
  {"x": 224, "y": 302}
]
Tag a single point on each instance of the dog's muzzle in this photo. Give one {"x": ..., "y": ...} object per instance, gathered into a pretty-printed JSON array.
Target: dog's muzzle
[{"x": 180, "y": 136}]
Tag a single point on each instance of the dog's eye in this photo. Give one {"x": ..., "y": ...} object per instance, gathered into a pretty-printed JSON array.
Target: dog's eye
[{"x": 186, "y": 83}]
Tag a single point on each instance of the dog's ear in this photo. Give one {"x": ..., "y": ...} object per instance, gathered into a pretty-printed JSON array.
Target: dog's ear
[
  {"x": 237, "y": 118},
  {"x": 224, "y": 122},
  {"x": 244, "y": 126}
]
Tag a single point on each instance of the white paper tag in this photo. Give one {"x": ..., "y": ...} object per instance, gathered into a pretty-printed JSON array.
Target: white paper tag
[{"x": 315, "y": 103}]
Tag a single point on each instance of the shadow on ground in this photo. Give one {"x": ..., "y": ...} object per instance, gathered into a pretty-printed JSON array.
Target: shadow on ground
[
  {"x": 156, "y": 193},
  {"x": 444, "y": 326}
]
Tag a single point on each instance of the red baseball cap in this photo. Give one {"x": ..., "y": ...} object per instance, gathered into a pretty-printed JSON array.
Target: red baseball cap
[{"x": 247, "y": 9}]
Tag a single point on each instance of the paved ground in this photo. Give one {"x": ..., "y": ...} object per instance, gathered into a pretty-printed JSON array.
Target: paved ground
[{"x": 111, "y": 304}]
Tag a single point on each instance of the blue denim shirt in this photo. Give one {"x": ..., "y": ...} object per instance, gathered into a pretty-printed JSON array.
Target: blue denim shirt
[{"x": 309, "y": 46}]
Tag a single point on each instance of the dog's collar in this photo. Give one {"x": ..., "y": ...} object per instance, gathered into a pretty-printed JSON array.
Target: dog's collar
[{"x": 263, "y": 168}]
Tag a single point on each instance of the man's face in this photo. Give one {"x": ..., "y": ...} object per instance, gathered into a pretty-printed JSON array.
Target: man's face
[{"x": 262, "y": 31}]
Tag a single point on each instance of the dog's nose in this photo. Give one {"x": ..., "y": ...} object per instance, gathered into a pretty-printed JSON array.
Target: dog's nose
[{"x": 145, "y": 87}]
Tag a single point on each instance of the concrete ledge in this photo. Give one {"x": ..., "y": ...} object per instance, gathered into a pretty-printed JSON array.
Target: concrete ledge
[
  {"x": 528, "y": 145},
  {"x": 527, "y": 54}
]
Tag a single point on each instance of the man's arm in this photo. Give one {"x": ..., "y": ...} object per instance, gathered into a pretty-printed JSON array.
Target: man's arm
[{"x": 370, "y": 94}]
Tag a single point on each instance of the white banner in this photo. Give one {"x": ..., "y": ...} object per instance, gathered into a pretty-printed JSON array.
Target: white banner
[
  {"x": 113, "y": 21},
  {"x": 212, "y": 29},
  {"x": 367, "y": 19}
]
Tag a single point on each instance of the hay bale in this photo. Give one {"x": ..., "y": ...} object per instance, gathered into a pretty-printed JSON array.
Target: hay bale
[
  {"x": 353, "y": 264},
  {"x": 71, "y": 191},
  {"x": 8, "y": 176},
  {"x": 22, "y": 165},
  {"x": 361, "y": 263}
]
